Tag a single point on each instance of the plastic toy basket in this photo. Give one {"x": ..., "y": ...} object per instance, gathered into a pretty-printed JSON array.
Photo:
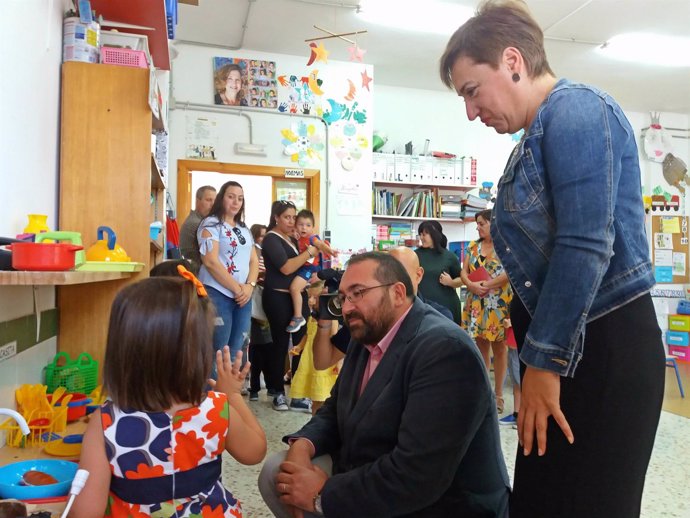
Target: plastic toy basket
[
  {"x": 126, "y": 57},
  {"x": 80, "y": 375}
]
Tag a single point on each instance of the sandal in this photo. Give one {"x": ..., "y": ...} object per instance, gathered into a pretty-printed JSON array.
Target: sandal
[{"x": 500, "y": 403}]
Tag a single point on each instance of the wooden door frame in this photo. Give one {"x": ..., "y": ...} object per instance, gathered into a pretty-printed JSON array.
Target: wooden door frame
[{"x": 184, "y": 181}]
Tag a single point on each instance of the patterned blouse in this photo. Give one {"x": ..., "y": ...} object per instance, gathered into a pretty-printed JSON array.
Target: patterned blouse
[{"x": 168, "y": 465}]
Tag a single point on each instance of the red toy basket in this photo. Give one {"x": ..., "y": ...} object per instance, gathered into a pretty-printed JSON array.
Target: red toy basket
[{"x": 126, "y": 57}]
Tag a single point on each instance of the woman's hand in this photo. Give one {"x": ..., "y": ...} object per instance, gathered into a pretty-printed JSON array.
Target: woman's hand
[
  {"x": 231, "y": 375},
  {"x": 445, "y": 279},
  {"x": 244, "y": 295},
  {"x": 478, "y": 289},
  {"x": 541, "y": 392}
]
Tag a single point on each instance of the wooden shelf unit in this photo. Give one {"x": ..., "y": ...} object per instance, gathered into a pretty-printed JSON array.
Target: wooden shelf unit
[
  {"x": 25, "y": 278},
  {"x": 420, "y": 186},
  {"x": 421, "y": 218},
  {"x": 105, "y": 179}
]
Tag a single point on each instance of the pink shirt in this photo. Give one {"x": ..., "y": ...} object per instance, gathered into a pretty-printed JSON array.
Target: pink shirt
[{"x": 377, "y": 351}]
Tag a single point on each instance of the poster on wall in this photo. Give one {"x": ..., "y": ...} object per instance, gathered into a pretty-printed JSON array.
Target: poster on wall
[
  {"x": 245, "y": 82},
  {"x": 201, "y": 137},
  {"x": 294, "y": 191}
]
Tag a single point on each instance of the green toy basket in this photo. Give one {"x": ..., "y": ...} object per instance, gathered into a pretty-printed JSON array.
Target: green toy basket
[{"x": 80, "y": 375}]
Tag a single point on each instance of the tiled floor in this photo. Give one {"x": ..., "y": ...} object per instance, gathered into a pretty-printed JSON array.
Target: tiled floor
[{"x": 665, "y": 495}]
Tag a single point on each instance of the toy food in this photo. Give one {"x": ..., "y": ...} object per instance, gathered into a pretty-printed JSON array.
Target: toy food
[{"x": 38, "y": 478}]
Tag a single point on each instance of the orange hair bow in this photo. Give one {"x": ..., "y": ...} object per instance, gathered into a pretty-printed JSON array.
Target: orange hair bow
[{"x": 200, "y": 289}]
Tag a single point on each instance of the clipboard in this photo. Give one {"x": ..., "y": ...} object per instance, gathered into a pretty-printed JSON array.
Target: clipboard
[{"x": 478, "y": 275}]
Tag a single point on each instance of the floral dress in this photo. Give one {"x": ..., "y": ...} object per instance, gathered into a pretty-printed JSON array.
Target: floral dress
[
  {"x": 168, "y": 466},
  {"x": 483, "y": 316}
]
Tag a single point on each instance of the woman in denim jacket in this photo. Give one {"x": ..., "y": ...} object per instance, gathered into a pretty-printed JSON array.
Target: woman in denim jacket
[{"x": 569, "y": 229}]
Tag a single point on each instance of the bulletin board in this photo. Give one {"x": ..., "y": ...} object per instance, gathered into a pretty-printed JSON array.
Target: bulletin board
[{"x": 670, "y": 249}]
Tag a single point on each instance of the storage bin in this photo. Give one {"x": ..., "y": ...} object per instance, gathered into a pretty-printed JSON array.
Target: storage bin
[
  {"x": 80, "y": 375},
  {"x": 679, "y": 322},
  {"x": 677, "y": 338},
  {"x": 683, "y": 307},
  {"x": 125, "y": 57},
  {"x": 680, "y": 353}
]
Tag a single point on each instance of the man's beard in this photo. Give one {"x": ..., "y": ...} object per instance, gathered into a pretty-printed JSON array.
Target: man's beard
[{"x": 371, "y": 330}]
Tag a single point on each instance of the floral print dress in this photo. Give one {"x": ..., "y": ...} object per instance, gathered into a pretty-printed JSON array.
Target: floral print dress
[
  {"x": 483, "y": 316},
  {"x": 168, "y": 466}
]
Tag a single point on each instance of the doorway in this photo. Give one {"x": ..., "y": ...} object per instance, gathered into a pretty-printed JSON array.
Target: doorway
[{"x": 304, "y": 191}]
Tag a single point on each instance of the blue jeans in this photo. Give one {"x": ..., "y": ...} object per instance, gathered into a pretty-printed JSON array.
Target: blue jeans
[{"x": 232, "y": 324}]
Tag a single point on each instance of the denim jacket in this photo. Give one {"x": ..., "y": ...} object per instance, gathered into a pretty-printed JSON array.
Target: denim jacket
[{"x": 569, "y": 222}]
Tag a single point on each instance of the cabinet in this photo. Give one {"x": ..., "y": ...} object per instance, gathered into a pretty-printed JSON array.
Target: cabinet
[{"x": 105, "y": 179}]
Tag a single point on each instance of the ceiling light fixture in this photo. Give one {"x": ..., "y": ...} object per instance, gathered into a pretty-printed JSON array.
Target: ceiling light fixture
[
  {"x": 412, "y": 15},
  {"x": 649, "y": 49}
]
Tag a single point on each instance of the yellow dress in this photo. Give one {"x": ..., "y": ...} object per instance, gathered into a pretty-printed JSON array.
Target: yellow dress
[
  {"x": 483, "y": 316},
  {"x": 307, "y": 381}
]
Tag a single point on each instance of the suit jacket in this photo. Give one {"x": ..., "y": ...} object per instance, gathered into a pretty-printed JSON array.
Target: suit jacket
[{"x": 422, "y": 440}]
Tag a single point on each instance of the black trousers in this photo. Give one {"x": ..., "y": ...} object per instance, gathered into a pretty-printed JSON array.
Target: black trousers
[
  {"x": 613, "y": 405},
  {"x": 278, "y": 308}
]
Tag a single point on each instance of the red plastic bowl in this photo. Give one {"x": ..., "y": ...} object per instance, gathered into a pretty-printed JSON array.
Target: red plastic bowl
[
  {"x": 43, "y": 256},
  {"x": 76, "y": 408}
]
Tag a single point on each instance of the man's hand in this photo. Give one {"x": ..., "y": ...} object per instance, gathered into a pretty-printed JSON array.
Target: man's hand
[
  {"x": 299, "y": 484},
  {"x": 541, "y": 392}
]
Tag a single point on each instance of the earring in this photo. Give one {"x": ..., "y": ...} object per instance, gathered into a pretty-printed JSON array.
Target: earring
[{"x": 516, "y": 77}]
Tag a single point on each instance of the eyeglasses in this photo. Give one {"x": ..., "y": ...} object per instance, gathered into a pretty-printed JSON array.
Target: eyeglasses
[
  {"x": 356, "y": 295},
  {"x": 239, "y": 235},
  {"x": 286, "y": 202}
]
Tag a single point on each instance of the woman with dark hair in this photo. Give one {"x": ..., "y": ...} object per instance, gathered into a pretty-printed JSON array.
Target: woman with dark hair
[
  {"x": 439, "y": 264},
  {"x": 487, "y": 303},
  {"x": 229, "y": 85},
  {"x": 282, "y": 260},
  {"x": 569, "y": 230},
  {"x": 229, "y": 266}
]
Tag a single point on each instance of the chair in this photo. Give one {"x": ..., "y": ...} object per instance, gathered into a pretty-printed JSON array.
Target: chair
[{"x": 672, "y": 362}]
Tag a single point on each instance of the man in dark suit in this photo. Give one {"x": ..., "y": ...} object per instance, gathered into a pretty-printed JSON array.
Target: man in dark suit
[{"x": 411, "y": 423}]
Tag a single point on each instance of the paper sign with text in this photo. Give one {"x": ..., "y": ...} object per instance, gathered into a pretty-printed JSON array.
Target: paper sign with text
[{"x": 294, "y": 173}]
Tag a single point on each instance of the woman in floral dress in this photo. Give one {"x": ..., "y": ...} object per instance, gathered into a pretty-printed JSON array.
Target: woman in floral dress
[{"x": 487, "y": 302}]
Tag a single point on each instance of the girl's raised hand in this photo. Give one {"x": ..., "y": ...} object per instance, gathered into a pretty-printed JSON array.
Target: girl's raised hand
[{"x": 231, "y": 375}]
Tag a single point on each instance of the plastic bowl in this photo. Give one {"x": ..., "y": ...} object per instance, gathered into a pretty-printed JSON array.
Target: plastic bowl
[
  {"x": 11, "y": 475},
  {"x": 76, "y": 408}
]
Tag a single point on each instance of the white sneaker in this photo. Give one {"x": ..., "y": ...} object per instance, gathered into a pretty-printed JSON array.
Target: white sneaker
[
  {"x": 301, "y": 405},
  {"x": 280, "y": 403}
]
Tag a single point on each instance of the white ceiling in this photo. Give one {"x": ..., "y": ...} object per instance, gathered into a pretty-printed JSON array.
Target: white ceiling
[{"x": 410, "y": 59}]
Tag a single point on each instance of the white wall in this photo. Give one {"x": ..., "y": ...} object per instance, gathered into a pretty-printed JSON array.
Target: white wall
[
  {"x": 31, "y": 43},
  {"x": 192, "y": 82}
]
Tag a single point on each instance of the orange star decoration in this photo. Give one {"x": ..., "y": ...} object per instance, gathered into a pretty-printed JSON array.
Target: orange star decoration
[
  {"x": 321, "y": 53},
  {"x": 366, "y": 80},
  {"x": 356, "y": 53}
]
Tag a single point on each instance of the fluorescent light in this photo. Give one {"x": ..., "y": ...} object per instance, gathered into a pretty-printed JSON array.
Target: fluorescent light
[
  {"x": 415, "y": 15},
  {"x": 250, "y": 149},
  {"x": 649, "y": 49}
]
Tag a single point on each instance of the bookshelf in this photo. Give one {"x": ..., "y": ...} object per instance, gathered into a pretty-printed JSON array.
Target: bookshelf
[{"x": 409, "y": 189}]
